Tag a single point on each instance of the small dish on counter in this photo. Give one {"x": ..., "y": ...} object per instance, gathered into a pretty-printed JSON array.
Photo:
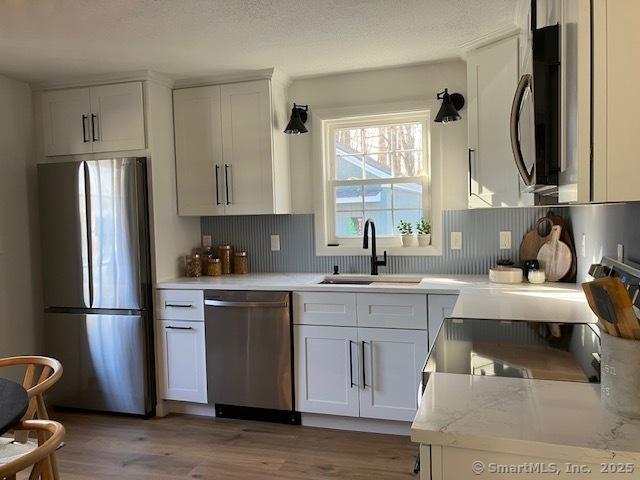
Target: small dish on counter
[{"x": 505, "y": 275}]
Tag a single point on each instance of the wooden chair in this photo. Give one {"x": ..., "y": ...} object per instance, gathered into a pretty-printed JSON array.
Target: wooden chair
[
  {"x": 41, "y": 373},
  {"x": 50, "y": 435}
]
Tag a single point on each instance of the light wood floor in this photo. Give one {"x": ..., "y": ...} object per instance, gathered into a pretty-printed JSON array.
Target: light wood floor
[{"x": 187, "y": 447}]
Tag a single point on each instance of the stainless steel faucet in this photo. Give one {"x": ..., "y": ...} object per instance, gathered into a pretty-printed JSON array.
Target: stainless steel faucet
[{"x": 375, "y": 263}]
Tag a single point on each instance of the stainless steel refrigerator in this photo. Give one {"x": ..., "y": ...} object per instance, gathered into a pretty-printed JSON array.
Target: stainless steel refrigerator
[{"x": 96, "y": 280}]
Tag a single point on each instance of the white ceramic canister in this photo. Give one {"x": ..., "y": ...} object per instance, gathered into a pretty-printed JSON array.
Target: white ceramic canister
[{"x": 620, "y": 375}]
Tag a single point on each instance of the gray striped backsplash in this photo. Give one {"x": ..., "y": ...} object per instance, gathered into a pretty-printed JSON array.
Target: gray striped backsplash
[{"x": 480, "y": 231}]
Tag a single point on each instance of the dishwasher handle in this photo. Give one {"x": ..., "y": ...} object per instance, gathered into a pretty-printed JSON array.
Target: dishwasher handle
[{"x": 224, "y": 303}]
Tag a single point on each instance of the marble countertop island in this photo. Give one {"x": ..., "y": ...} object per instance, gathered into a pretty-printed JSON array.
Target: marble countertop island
[{"x": 542, "y": 418}]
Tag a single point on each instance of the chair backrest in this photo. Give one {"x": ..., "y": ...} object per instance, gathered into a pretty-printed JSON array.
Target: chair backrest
[
  {"x": 40, "y": 375},
  {"x": 50, "y": 436}
]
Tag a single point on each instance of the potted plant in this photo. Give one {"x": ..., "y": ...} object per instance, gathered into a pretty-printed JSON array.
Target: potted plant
[
  {"x": 424, "y": 232},
  {"x": 408, "y": 238}
]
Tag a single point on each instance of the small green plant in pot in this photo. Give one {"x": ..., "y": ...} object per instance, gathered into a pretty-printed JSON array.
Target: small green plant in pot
[
  {"x": 407, "y": 236},
  {"x": 424, "y": 232}
]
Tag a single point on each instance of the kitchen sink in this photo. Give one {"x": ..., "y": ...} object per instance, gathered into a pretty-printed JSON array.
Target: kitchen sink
[
  {"x": 346, "y": 281},
  {"x": 396, "y": 280}
]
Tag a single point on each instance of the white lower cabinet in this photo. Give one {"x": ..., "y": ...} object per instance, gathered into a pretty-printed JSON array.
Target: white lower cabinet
[
  {"x": 358, "y": 372},
  {"x": 440, "y": 307},
  {"x": 393, "y": 360},
  {"x": 183, "y": 363},
  {"x": 326, "y": 365}
]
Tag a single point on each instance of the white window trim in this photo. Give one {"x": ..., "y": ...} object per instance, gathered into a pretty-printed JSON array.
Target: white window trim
[{"x": 322, "y": 122}]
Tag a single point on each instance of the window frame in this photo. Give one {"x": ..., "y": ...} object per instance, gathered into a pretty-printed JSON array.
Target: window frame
[
  {"x": 324, "y": 124},
  {"x": 392, "y": 240}
]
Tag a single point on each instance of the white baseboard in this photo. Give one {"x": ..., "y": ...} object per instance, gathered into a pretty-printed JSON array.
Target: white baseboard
[{"x": 371, "y": 425}]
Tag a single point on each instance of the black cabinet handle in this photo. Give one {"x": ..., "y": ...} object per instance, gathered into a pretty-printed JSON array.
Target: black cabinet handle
[
  {"x": 178, "y": 305},
  {"x": 351, "y": 363},
  {"x": 364, "y": 378},
  {"x": 94, "y": 119},
  {"x": 170, "y": 327},
  {"x": 217, "y": 196},
  {"x": 226, "y": 182},
  {"x": 85, "y": 139}
]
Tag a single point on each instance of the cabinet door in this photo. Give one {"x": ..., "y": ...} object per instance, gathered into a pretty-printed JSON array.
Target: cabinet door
[
  {"x": 440, "y": 307},
  {"x": 199, "y": 166},
  {"x": 393, "y": 361},
  {"x": 182, "y": 373},
  {"x": 247, "y": 148},
  {"x": 66, "y": 122},
  {"x": 326, "y": 369},
  {"x": 118, "y": 118},
  {"x": 492, "y": 76}
]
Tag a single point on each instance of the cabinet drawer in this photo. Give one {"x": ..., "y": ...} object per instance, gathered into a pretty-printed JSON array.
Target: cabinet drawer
[
  {"x": 180, "y": 305},
  {"x": 392, "y": 310},
  {"x": 320, "y": 308}
]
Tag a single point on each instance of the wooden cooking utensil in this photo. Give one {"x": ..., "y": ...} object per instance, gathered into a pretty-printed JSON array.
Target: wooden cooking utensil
[
  {"x": 555, "y": 256},
  {"x": 532, "y": 241},
  {"x": 602, "y": 306},
  {"x": 628, "y": 324}
]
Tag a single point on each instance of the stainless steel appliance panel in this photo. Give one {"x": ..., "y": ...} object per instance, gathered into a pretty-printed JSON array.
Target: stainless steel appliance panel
[
  {"x": 63, "y": 230},
  {"x": 115, "y": 211},
  {"x": 104, "y": 360},
  {"x": 248, "y": 339}
]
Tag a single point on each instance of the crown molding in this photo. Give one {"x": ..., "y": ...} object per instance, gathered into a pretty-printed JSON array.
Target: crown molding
[
  {"x": 498, "y": 34},
  {"x": 109, "y": 78},
  {"x": 265, "y": 74}
]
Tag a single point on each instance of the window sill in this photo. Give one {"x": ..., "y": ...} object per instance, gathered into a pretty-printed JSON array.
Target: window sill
[{"x": 396, "y": 251}]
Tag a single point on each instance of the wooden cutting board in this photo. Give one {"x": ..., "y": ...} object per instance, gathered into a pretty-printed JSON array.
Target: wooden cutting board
[
  {"x": 566, "y": 237},
  {"x": 533, "y": 241},
  {"x": 555, "y": 256}
]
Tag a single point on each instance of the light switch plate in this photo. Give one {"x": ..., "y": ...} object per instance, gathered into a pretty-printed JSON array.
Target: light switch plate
[
  {"x": 456, "y": 241},
  {"x": 620, "y": 252},
  {"x": 275, "y": 243},
  {"x": 206, "y": 241},
  {"x": 505, "y": 240},
  {"x": 583, "y": 246}
]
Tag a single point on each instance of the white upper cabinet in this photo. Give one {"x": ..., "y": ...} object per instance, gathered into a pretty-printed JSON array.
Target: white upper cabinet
[
  {"x": 231, "y": 152},
  {"x": 616, "y": 67},
  {"x": 106, "y": 118},
  {"x": 117, "y": 117},
  {"x": 199, "y": 164},
  {"x": 492, "y": 76},
  {"x": 66, "y": 121}
]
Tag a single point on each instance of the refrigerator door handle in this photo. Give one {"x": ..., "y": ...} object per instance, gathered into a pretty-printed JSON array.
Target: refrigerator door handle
[{"x": 88, "y": 281}]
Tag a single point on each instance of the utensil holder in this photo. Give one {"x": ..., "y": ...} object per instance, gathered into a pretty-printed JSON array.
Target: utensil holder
[{"x": 620, "y": 376}]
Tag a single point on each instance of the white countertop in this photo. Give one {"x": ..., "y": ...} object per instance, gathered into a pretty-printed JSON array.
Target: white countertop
[
  {"x": 478, "y": 298},
  {"x": 561, "y": 420}
]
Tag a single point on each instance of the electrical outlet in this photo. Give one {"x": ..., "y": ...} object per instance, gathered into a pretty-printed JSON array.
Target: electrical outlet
[
  {"x": 620, "y": 252},
  {"x": 583, "y": 246},
  {"x": 505, "y": 240},
  {"x": 206, "y": 241},
  {"x": 456, "y": 240},
  {"x": 275, "y": 243}
]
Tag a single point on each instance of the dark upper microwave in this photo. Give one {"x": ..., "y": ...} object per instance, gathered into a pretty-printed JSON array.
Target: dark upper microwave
[{"x": 539, "y": 172}]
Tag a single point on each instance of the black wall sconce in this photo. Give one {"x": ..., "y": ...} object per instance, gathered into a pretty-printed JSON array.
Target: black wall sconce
[
  {"x": 451, "y": 103},
  {"x": 297, "y": 120}
]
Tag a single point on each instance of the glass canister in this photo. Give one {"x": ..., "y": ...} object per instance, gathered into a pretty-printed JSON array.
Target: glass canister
[
  {"x": 194, "y": 265},
  {"x": 241, "y": 262},
  {"x": 214, "y": 267},
  {"x": 225, "y": 253}
]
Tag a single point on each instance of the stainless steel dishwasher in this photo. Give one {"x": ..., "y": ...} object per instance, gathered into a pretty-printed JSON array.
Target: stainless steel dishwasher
[{"x": 249, "y": 355}]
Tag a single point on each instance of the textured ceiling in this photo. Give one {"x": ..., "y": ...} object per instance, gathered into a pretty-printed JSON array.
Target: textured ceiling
[{"x": 46, "y": 39}]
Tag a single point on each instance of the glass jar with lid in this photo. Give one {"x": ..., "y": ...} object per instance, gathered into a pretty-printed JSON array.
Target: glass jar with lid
[
  {"x": 241, "y": 263},
  {"x": 225, "y": 253}
]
